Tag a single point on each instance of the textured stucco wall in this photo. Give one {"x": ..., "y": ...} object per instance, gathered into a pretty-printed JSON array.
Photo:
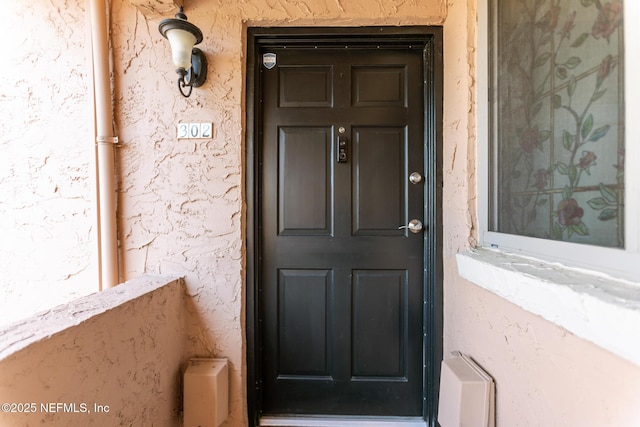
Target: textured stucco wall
[
  {"x": 544, "y": 375},
  {"x": 47, "y": 249},
  {"x": 181, "y": 201},
  {"x": 181, "y": 205},
  {"x": 116, "y": 349}
]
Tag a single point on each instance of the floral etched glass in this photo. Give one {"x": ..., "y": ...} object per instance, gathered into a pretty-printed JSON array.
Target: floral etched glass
[{"x": 558, "y": 120}]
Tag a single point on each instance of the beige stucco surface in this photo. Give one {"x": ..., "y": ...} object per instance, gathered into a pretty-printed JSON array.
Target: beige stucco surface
[
  {"x": 181, "y": 206},
  {"x": 109, "y": 361},
  {"x": 544, "y": 375},
  {"x": 181, "y": 200},
  {"x": 46, "y": 148}
]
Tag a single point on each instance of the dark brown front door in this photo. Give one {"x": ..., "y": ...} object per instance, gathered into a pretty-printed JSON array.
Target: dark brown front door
[{"x": 341, "y": 285}]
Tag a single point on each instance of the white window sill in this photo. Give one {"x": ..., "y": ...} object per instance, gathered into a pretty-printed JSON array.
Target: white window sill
[{"x": 598, "y": 308}]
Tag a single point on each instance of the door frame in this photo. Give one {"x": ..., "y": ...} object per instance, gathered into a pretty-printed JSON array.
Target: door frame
[{"x": 430, "y": 38}]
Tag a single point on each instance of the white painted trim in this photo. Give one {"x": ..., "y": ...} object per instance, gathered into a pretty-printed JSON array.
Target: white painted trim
[
  {"x": 482, "y": 115},
  {"x": 598, "y": 308},
  {"x": 617, "y": 262},
  {"x": 341, "y": 422},
  {"x": 632, "y": 124}
]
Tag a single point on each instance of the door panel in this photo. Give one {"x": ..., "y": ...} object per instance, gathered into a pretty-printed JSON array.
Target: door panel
[
  {"x": 304, "y": 180},
  {"x": 341, "y": 286},
  {"x": 303, "y": 326},
  {"x": 306, "y": 86},
  {"x": 379, "y": 182},
  {"x": 379, "y": 86},
  {"x": 379, "y": 307}
]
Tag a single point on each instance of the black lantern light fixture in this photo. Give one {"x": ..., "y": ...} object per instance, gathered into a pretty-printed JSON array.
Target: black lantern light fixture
[{"x": 190, "y": 62}]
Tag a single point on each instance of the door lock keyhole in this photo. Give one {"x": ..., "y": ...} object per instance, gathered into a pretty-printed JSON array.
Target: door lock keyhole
[{"x": 342, "y": 149}]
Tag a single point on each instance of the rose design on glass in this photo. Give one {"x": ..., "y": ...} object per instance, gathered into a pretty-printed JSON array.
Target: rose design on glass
[
  {"x": 568, "y": 25},
  {"x": 562, "y": 68},
  {"x": 587, "y": 160},
  {"x": 608, "y": 20},
  {"x": 569, "y": 213},
  {"x": 530, "y": 140},
  {"x": 542, "y": 179},
  {"x": 605, "y": 69}
]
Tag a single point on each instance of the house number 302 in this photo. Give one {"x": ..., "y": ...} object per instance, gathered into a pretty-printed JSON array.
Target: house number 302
[{"x": 195, "y": 130}]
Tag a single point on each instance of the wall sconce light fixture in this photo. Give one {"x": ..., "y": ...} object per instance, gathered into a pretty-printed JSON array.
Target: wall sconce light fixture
[{"x": 190, "y": 62}]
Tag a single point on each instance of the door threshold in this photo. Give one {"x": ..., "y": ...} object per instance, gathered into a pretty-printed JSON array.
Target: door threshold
[{"x": 324, "y": 421}]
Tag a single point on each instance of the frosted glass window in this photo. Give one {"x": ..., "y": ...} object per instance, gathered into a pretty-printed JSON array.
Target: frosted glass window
[{"x": 557, "y": 132}]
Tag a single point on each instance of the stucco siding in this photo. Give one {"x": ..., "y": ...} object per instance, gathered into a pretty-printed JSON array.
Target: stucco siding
[{"x": 181, "y": 205}]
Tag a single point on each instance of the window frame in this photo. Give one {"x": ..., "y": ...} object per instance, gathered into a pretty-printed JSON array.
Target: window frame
[{"x": 624, "y": 263}]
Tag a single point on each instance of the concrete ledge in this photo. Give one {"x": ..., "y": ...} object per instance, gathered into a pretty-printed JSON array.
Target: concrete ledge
[
  {"x": 110, "y": 358},
  {"x": 595, "y": 307},
  {"x": 19, "y": 335}
]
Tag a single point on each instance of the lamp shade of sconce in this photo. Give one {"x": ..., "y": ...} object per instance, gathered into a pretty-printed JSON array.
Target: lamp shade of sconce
[
  {"x": 182, "y": 43},
  {"x": 190, "y": 62}
]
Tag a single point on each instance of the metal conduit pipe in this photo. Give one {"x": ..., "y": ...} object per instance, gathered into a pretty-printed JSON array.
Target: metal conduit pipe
[{"x": 105, "y": 143}]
